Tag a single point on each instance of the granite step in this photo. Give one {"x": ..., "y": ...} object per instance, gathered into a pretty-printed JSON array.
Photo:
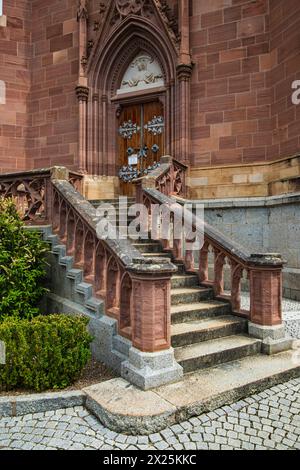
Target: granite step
[
  {"x": 217, "y": 351},
  {"x": 149, "y": 247},
  {"x": 112, "y": 202},
  {"x": 200, "y": 310},
  {"x": 133, "y": 411},
  {"x": 193, "y": 332},
  {"x": 184, "y": 280},
  {"x": 187, "y": 295},
  {"x": 157, "y": 255}
]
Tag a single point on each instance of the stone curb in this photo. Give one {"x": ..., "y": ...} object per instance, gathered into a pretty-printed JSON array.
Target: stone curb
[{"x": 11, "y": 406}]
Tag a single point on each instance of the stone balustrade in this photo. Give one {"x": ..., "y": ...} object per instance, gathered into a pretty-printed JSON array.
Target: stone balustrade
[
  {"x": 169, "y": 178},
  {"x": 135, "y": 289},
  {"x": 31, "y": 191},
  {"x": 264, "y": 271}
]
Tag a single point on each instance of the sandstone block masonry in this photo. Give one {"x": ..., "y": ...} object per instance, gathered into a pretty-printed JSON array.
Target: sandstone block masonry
[{"x": 245, "y": 55}]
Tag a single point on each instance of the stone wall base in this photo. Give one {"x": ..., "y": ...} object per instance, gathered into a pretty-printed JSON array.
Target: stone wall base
[
  {"x": 149, "y": 370},
  {"x": 107, "y": 347},
  {"x": 100, "y": 187},
  {"x": 274, "y": 338}
]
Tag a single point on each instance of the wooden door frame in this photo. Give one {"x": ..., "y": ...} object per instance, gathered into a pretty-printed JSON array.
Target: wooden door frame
[{"x": 133, "y": 99}]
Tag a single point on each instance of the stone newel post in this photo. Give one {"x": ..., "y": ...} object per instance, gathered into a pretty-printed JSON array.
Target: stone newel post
[
  {"x": 266, "y": 302},
  {"x": 151, "y": 359}
]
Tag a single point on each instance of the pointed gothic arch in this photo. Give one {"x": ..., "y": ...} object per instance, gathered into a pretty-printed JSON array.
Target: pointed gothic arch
[
  {"x": 106, "y": 70},
  {"x": 117, "y": 45}
]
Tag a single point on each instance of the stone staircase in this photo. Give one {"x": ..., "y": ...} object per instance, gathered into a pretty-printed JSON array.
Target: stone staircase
[{"x": 204, "y": 331}]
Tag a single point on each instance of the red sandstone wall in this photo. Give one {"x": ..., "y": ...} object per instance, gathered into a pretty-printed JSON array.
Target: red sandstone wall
[
  {"x": 231, "y": 101},
  {"x": 285, "y": 61},
  {"x": 15, "y": 53},
  {"x": 246, "y": 55},
  {"x": 54, "y": 108}
]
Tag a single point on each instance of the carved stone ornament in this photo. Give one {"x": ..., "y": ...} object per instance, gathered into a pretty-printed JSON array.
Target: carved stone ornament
[
  {"x": 169, "y": 19},
  {"x": 134, "y": 7},
  {"x": 82, "y": 12},
  {"x": 143, "y": 72},
  {"x": 82, "y": 93}
]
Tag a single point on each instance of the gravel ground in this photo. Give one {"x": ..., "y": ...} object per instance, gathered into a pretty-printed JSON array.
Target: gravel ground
[{"x": 93, "y": 373}]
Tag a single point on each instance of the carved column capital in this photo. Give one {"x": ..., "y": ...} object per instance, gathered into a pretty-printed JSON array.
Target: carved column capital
[
  {"x": 82, "y": 93},
  {"x": 184, "y": 72},
  {"x": 95, "y": 97}
]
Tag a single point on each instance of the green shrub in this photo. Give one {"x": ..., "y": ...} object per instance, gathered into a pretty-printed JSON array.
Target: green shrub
[
  {"x": 46, "y": 352},
  {"x": 22, "y": 265}
]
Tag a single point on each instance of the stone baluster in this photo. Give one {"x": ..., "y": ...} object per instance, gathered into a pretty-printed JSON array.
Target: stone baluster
[
  {"x": 236, "y": 275},
  {"x": 189, "y": 255},
  {"x": 203, "y": 263},
  {"x": 219, "y": 272},
  {"x": 177, "y": 249}
]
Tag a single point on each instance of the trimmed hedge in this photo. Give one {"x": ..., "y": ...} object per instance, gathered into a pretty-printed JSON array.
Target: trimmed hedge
[
  {"x": 47, "y": 352},
  {"x": 22, "y": 265}
]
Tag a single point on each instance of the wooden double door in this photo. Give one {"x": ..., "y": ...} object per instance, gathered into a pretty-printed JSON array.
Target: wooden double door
[{"x": 141, "y": 134}]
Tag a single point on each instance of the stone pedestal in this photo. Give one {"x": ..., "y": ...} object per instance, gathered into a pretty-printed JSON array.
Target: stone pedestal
[
  {"x": 149, "y": 370},
  {"x": 266, "y": 289},
  {"x": 274, "y": 338},
  {"x": 266, "y": 303}
]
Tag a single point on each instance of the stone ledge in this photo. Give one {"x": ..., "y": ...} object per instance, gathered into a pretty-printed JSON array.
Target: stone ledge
[
  {"x": 36, "y": 403},
  {"x": 122, "y": 406},
  {"x": 231, "y": 203}
]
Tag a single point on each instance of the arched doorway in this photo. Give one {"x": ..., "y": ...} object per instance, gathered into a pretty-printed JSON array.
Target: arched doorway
[{"x": 132, "y": 75}]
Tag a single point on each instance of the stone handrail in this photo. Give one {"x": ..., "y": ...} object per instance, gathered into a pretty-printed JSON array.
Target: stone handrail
[
  {"x": 119, "y": 273},
  {"x": 135, "y": 289},
  {"x": 169, "y": 177},
  {"x": 264, "y": 271}
]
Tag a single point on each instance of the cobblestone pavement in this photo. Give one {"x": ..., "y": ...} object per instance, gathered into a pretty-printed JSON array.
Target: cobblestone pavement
[{"x": 268, "y": 420}]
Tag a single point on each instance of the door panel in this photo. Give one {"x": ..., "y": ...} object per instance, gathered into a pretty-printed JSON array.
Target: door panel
[
  {"x": 140, "y": 127},
  {"x": 154, "y": 131}
]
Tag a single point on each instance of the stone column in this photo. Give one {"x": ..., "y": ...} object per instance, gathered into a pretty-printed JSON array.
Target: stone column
[
  {"x": 81, "y": 90},
  {"x": 184, "y": 72},
  {"x": 95, "y": 163},
  {"x": 151, "y": 359},
  {"x": 82, "y": 95},
  {"x": 104, "y": 101},
  {"x": 266, "y": 302},
  {"x": 82, "y": 18},
  {"x": 184, "y": 9}
]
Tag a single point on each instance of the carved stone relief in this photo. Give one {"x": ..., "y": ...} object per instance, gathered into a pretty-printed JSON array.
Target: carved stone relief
[{"x": 144, "y": 72}]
